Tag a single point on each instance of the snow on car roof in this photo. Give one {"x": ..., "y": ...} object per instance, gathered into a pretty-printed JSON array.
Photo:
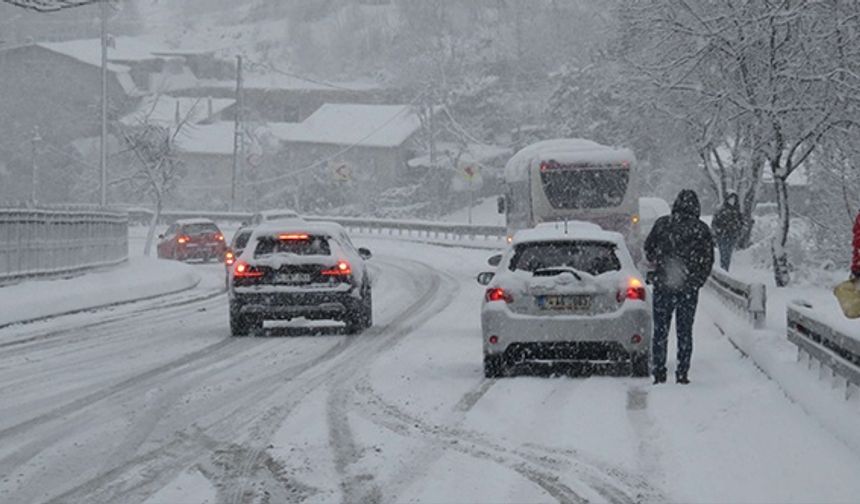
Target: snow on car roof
[
  {"x": 576, "y": 230},
  {"x": 564, "y": 150},
  {"x": 188, "y": 222},
  {"x": 293, "y": 227}
]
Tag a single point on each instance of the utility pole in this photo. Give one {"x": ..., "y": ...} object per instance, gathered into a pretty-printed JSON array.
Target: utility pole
[
  {"x": 237, "y": 133},
  {"x": 35, "y": 173},
  {"x": 104, "y": 100}
]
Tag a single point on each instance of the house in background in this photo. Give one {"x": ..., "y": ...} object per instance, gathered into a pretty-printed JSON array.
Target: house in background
[{"x": 169, "y": 111}]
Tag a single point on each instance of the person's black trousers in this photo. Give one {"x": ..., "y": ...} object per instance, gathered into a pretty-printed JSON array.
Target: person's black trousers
[{"x": 683, "y": 305}]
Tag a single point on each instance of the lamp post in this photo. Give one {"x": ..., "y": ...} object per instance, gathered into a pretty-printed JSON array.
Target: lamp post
[{"x": 35, "y": 168}]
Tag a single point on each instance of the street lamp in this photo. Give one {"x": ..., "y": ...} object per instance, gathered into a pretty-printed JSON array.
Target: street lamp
[{"x": 35, "y": 169}]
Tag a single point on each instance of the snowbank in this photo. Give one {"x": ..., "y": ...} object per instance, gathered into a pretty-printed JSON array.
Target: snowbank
[{"x": 138, "y": 279}]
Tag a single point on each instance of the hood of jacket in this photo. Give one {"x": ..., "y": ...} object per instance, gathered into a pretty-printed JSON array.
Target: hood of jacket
[{"x": 687, "y": 204}]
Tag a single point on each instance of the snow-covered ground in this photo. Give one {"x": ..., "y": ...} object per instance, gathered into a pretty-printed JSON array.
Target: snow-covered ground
[{"x": 161, "y": 405}]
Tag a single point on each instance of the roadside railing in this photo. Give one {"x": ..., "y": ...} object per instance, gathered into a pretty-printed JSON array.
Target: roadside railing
[
  {"x": 817, "y": 340},
  {"x": 748, "y": 299},
  {"x": 391, "y": 227},
  {"x": 43, "y": 242}
]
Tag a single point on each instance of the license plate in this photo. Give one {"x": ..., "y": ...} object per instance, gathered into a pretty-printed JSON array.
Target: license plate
[
  {"x": 564, "y": 303},
  {"x": 293, "y": 278}
]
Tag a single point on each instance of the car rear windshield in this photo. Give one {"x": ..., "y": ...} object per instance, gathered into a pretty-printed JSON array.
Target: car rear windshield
[
  {"x": 592, "y": 187},
  {"x": 196, "y": 229},
  {"x": 241, "y": 239},
  {"x": 589, "y": 256},
  {"x": 312, "y": 245}
]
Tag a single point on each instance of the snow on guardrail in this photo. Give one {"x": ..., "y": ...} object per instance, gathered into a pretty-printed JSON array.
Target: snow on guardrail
[
  {"x": 749, "y": 299},
  {"x": 817, "y": 340},
  {"x": 37, "y": 242}
]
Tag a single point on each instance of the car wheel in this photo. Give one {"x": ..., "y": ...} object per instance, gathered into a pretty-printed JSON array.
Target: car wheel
[
  {"x": 640, "y": 364},
  {"x": 361, "y": 317},
  {"x": 241, "y": 325},
  {"x": 494, "y": 366}
]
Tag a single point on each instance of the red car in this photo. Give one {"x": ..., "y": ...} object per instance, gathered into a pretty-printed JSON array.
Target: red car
[{"x": 192, "y": 239}]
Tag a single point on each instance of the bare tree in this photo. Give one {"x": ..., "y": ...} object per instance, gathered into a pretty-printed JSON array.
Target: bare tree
[{"x": 158, "y": 167}]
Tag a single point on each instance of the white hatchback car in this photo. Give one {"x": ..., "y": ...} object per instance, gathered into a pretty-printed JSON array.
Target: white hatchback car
[{"x": 564, "y": 294}]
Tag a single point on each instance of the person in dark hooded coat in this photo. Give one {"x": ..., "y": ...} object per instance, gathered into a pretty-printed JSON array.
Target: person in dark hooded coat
[
  {"x": 727, "y": 225},
  {"x": 681, "y": 247}
]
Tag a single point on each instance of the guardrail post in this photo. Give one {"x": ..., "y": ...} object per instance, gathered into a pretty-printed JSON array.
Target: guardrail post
[{"x": 758, "y": 305}]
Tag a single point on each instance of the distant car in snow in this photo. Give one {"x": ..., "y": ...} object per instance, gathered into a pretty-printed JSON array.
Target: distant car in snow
[
  {"x": 565, "y": 293},
  {"x": 298, "y": 269},
  {"x": 192, "y": 239},
  {"x": 273, "y": 215}
]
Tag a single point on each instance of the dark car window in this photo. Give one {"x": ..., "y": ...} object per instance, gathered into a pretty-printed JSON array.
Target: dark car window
[
  {"x": 312, "y": 245},
  {"x": 588, "y": 256},
  {"x": 241, "y": 240},
  {"x": 196, "y": 229}
]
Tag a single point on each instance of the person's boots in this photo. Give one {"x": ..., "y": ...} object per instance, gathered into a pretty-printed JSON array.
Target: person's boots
[
  {"x": 682, "y": 378},
  {"x": 659, "y": 377}
]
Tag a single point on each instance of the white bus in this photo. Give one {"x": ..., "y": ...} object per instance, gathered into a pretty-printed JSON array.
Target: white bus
[{"x": 573, "y": 179}]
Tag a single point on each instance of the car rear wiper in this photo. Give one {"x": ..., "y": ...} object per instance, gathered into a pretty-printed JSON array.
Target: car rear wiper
[{"x": 558, "y": 270}]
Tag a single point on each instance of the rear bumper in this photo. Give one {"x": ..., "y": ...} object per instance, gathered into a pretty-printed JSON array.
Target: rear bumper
[
  {"x": 524, "y": 338},
  {"x": 286, "y": 305},
  {"x": 202, "y": 251}
]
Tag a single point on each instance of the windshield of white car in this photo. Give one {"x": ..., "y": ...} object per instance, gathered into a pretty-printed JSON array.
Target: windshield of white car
[
  {"x": 305, "y": 245},
  {"x": 591, "y": 257}
]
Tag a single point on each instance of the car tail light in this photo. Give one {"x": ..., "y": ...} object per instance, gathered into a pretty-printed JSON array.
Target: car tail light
[
  {"x": 342, "y": 268},
  {"x": 183, "y": 239},
  {"x": 293, "y": 236},
  {"x": 636, "y": 339},
  {"x": 219, "y": 237},
  {"x": 498, "y": 294},
  {"x": 245, "y": 270},
  {"x": 493, "y": 340},
  {"x": 229, "y": 258},
  {"x": 635, "y": 290}
]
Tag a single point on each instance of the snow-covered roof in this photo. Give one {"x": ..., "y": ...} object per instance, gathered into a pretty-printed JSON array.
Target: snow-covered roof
[
  {"x": 215, "y": 138},
  {"x": 162, "y": 110},
  {"x": 352, "y": 124},
  {"x": 285, "y": 82},
  {"x": 121, "y": 49},
  {"x": 474, "y": 154},
  {"x": 564, "y": 150},
  {"x": 576, "y": 230}
]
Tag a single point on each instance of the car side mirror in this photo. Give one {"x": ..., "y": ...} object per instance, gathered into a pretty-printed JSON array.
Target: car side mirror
[
  {"x": 486, "y": 277},
  {"x": 364, "y": 253},
  {"x": 495, "y": 260},
  {"x": 161, "y": 237},
  {"x": 500, "y": 204}
]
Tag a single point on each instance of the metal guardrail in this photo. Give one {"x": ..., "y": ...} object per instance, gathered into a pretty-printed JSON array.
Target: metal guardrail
[
  {"x": 749, "y": 299},
  {"x": 832, "y": 348},
  {"x": 42, "y": 241},
  {"x": 393, "y": 227}
]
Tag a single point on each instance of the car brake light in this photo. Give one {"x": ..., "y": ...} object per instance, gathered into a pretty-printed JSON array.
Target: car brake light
[
  {"x": 219, "y": 237},
  {"x": 245, "y": 270},
  {"x": 634, "y": 290},
  {"x": 498, "y": 294},
  {"x": 342, "y": 268},
  {"x": 293, "y": 236},
  {"x": 229, "y": 258},
  {"x": 183, "y": 239}
]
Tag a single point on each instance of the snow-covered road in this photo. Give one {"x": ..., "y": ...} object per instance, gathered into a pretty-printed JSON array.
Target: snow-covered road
[{"x": 154, "y": 402}]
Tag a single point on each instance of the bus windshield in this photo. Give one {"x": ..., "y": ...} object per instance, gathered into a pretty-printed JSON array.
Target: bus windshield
[{"x": 575, "y": 187}]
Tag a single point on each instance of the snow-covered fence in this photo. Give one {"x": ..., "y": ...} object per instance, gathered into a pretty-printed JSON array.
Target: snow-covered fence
[
  {"x": 750, "y": 299},
  {"x": 817, "y": 340},
  {"x": 41, "y": 242}
]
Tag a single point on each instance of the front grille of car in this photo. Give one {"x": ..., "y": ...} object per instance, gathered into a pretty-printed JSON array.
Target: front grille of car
[{"x": 566, "y": 351}]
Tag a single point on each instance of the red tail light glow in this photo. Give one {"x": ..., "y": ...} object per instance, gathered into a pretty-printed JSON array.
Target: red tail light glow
[
  {"x": 183, "y": 239},
  {"x": 635, "y": 291},
  {"x": 341, "y": 269},
  {"x": 293, "y": 236},
  {"x": 219, "y": 237},
  {"x": 245, "y": 270},
  {"x": 229, "y": 258},
  {"x": 498, "y": 294}
]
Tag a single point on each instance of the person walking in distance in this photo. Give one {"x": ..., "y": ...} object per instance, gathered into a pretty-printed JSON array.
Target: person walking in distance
[
  {"x": 727, "y": 226},
  {"x": 681, "y": 247}
]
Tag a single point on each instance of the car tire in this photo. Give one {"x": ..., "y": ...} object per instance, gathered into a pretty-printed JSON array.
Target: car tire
[
  {"x": 640, "y": 364},
  {"x": 494, "y": 366},
  {"x": 361, "y": 317},
  {"x": 242, "y": 325}
]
